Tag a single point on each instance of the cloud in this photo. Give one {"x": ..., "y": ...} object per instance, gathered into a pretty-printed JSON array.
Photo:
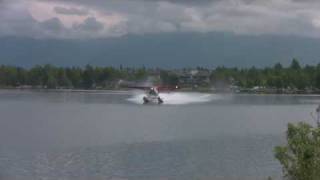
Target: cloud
[
  {"x": 15, "y": 20},
  {"x": 53, "y": 25},
  {"x": 90, "y": 25},
  {"x": 100, "y": 2},
  {"x": 52, "y": 28},
  {"x": 100, "y": 18},
  {"x": 71, "y": 11}
]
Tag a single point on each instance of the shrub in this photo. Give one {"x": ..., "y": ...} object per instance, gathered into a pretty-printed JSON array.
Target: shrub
[{"x": 300, "y": 157}]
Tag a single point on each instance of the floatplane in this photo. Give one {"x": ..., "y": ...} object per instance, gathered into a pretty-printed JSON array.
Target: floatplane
[{"x": 152, "y": 93}]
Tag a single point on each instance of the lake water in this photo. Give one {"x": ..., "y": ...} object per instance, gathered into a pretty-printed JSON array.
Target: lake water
[{"x": 111, "y": 135}]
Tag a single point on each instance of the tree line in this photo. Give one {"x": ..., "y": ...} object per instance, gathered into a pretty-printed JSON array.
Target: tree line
[
  {"x": 278, "y": 76},
  {"x": 49, "y": 76},
  {"x": 90, "y": 77}
]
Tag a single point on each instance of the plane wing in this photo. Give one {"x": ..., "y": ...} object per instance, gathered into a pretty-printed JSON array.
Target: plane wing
[{"x": 159, "y": 88}]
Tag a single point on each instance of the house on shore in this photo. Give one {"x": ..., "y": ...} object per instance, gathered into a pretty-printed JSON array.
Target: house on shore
[{"x": 193, "y": 78}]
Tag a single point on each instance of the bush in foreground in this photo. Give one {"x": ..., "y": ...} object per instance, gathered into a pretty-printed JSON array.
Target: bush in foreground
[{"x": 300, "y": 157}]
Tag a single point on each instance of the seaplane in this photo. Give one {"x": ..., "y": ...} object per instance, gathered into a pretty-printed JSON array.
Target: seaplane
[
  {"x": 152, "y": 93},
  {"x": 152, "y": 96}
]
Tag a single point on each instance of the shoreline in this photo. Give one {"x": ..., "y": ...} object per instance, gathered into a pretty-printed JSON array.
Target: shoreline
[{"x": 124, "y": 90}]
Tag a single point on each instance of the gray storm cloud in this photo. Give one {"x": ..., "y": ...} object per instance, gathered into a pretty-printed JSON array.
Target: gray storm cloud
[
  {"x": 114, "y": 17},
  {"x": 71, "y": 11},
  {"x": 90, "y": 25}
]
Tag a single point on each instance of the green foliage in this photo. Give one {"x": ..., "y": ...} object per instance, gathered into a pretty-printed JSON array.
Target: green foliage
[
  {"x": 317, "y": 79},
  {"x": 300, "y": 158},
  {"x": 169, "y": 78},
  {"x": 52, "y": 77},
  {"x": 63, "y": 79},
  {"x": 294, "y": 76},
  {"x": 295, "y": 65},
  {"x": 36, "y": 76},
  {"x": 141, "y": 73},
  {"x": 88, "y": 77},
  {"x": 51, "y": 82},
  {"x": 278, "y": 66},
  {"x": 75, "y": 76}
]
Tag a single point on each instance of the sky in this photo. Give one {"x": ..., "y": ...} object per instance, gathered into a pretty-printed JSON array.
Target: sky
[
  {"x": 89, "y": 20},
  {"x": 79, "y": 19}
]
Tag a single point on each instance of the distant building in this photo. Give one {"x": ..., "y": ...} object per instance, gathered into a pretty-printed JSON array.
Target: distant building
[{"x": 193, "y": 77}]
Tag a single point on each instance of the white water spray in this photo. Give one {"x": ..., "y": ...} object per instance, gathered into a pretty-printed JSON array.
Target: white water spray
[{"x": 178, "y": 98}]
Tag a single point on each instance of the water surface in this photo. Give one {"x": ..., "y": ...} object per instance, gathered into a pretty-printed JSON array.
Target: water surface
[{"x": 110, "y": 135}]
